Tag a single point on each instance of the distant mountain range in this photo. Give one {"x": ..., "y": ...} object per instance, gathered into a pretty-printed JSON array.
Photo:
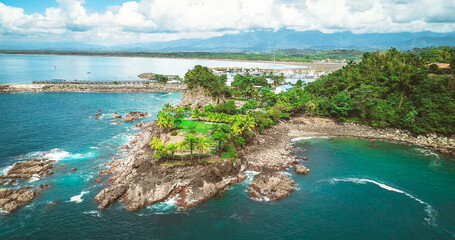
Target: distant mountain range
[{"x": 266, "y": 40}]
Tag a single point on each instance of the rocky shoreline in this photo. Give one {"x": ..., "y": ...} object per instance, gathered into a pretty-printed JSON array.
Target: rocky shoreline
[
  {"x": 273, "y": 149},
  {"x": 138, "y": 181},
  {"x": 5, "y": 88}
]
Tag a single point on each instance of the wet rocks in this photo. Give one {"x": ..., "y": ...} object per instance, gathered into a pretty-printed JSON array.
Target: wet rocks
[
  {"x": 115, "y": 115},
  {"x": 73, "y": 169},
  {"x": 98, "y": 180},
  {"x": 300, "y": 169},
  {"x": 98, "y": 115},
  {"x": 110, "y": 195},
  {"x": 3, "y": 182},
  {"x": 134, "y": 116},
  {"x": 11, "y": 199},
  {"x": 29, "y": 168},
  {"x": 271, "y": 186}
]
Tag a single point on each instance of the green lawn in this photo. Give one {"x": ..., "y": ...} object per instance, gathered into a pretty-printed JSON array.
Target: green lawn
[{"x": 201, "y": 127}]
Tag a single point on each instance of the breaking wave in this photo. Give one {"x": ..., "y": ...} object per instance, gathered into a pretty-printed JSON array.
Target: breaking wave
[
  {"x": 78, "y": 198},
  {"x": 429, "y": 210}
]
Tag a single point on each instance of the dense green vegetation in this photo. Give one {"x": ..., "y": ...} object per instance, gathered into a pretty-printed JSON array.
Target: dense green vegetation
[
  {"x": 390, "y": 88},
  {"x": 203, "y": 77},
  {"x": 441, "y": 54},
  {"x": 285, "y": 55}
]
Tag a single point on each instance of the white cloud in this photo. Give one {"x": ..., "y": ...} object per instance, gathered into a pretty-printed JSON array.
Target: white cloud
[{"x": 164, "y": 20}]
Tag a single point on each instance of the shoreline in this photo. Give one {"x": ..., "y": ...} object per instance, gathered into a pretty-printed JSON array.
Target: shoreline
[
  {"x": 309, "y": 65},
  {"x": 274, "y": 148},
  {"x": 11, "y": 88}
]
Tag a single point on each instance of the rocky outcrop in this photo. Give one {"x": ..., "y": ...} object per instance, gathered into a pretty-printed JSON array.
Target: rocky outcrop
[
  {"x": 110, "y": 195},
  {"x": 91, "y": 88},
  {"x": 29, "y": 168},
  {"x": 197, "y": 98},
  {"x": 271, "y": 186},
  {"x": 115, "y": 115},
  {"x": 139, "y": 181},
  {"x": 300, "y": 169},
  {"x": 134, "y": 116},
  {"x": 147, "y": 75},
  {"x": 11, "y": 200}
]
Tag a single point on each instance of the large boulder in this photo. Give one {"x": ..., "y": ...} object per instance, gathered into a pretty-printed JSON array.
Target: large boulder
[
  {"x": 134, "y": 116},
  {"x": 301, "y": 169},
  {"x": 271, "y": 186},
  {"x": 110, "y": 195}
]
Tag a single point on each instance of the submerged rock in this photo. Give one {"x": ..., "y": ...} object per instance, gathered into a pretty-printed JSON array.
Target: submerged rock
[
  {"x": 271, "y": 186},
  {"x": 134, "y": 116},
  {"x": 301, "y": 169}
]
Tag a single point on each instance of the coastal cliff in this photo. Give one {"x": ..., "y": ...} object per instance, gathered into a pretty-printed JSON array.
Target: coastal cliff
[
  {"x": 197, "y": 98},
  {"x": 90, "y": 88}
]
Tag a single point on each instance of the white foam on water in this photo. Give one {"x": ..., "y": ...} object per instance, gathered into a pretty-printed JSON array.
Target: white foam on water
[
  {"x": 82, "y": 155},
  {"x": 56, "y": 154},
  {"x": 163, "y": 207},
  {"x": 93, "y": 147},
  {"x": 427, "y": 152},
  {"x": 34, "y": 178},
  {"x": 166, "y": 94},
  {"x": 78, "y": 198},
  {"x": 94, "y": 213},
  {"x": 429, "y": 210},
  {"x": 6, "y": 169},
  {"x": 306, "y": 138},
  {"x": 250, "y": 175}
]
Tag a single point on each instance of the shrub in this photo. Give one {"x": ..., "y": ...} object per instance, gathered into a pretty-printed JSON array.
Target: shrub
[
  {"x": 229, "y": 152},
  {"x": 250, "y": 105},
  {"x": 227, "y": 107},
  {"x": 174, "y": 133},
  {"x": 209, "y": 108}
]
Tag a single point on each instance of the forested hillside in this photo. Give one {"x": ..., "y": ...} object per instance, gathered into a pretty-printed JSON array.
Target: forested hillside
[{"x": 392, "y": 88}]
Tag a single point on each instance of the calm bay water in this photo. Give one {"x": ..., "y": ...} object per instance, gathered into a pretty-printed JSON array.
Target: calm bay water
[
  {"x": 356, "y": 189},
  {"x": 27, "y": 68}
]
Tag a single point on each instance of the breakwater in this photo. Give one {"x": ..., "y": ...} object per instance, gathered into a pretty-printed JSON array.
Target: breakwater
[{"x": 90, "y": 88}]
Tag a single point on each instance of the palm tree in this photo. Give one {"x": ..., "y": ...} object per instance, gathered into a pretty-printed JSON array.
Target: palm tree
[
  {"x": 196, "y": 113},
  {"x": 311, "y": 106},
  {"x": 220, "y": 134},
  {"x": 181, "y": 146},
  {"x": 172, "y": 148},
  {"x": 190, "y": 140},
  {"x": 248, "y": 123},
  {"x": 155, "y": 143},
  {"x": 201, "y": 146}
]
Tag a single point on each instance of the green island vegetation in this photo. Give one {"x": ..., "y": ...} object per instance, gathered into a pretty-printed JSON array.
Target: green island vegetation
[
  {"x": 388, "y": 88},
  {"x": 283, "y": 55}
]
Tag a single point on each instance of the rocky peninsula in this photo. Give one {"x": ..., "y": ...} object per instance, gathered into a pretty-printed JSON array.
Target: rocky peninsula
[{"x": 4, "y": 88}]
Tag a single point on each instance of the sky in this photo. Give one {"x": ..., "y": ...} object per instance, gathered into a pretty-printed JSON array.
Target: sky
[{"x": 115, "y": 22}]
